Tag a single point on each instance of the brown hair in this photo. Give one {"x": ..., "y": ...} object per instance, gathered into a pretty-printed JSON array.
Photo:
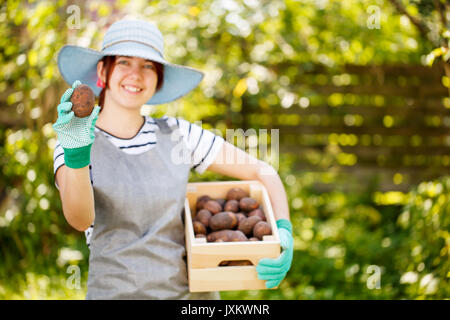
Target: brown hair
[{"x": 109, "y": 64}]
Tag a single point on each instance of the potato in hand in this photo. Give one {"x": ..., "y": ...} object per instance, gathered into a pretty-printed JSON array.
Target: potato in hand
[{"x": 83, "y": 101}]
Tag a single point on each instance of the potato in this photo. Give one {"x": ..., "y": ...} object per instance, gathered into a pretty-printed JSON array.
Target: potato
[
  {"x": 224, "y": 235},
  {"x": 261, "y": 229},
  {"x": 246, "y": 225},
  {"x": 248, "y": 204},
  {"x": 231, "y": 205},
  {"x": 240, "y": 216},
  {"x": 257, "y": 212},
  {"x": 199, "y": 228},
  {"x": 239, "y": 263},
  {"x": 230, "y": 263},
  {"x": 83, "y": 101},
  {"x": 223, "y": 220},
  {"x": 222, "y": 203},
  {"x": 213, "y": 206},
  {"x": 253, "y": 239},
  {"x": 236, "y": 194},
  {"x": 201, "y": 201},
  {"x": 203, "y": 216},
  {"x": 238, "y": 236}
]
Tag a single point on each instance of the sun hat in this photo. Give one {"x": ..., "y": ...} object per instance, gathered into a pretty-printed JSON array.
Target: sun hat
[{"x": 135, "y": 38}]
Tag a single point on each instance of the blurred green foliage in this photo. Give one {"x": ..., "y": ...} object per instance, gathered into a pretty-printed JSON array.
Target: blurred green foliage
[
  {"x": 343, "y": 240},
  {"x": 339, "y": 237}
]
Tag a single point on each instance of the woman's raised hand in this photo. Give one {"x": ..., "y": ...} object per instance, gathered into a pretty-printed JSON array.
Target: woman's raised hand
[{"x": 76, "y": 135}]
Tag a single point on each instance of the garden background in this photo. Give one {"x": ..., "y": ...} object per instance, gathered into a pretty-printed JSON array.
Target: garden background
[{"x": 359, "y": 91}]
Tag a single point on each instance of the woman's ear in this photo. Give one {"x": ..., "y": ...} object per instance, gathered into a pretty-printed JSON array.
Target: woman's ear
[{"x": 101, "y": 71}]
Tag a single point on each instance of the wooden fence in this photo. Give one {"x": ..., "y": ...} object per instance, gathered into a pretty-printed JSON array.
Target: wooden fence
[{"x": 387, "y": 127}]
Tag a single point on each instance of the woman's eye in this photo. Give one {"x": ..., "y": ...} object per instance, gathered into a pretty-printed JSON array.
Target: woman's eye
[
  {"x": 149, "y": 66},
  {"x": 123, "y": 62}
]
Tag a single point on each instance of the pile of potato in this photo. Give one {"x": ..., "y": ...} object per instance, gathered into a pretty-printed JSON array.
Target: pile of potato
[{"x": 236, "y": 218}]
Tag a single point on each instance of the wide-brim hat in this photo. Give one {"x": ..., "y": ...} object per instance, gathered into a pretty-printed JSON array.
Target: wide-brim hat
[{"x": 134, "y": 38}]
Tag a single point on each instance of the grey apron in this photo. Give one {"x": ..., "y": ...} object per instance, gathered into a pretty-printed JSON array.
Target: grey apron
[{"x": 137, "y": 248}]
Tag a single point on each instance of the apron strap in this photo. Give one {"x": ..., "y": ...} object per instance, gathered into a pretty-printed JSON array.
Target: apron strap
[{"x": 163, "y": 126}]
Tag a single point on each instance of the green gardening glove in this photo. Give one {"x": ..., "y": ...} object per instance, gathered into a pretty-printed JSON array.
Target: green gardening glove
[
  {"x": 274, "y": 270},
  {"x": 76, "y": 135}
]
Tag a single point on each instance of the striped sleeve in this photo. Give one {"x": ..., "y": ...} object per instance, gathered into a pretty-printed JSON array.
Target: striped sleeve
[
  {"x": 203, "y": 144},
  {"x": 58, "y": 160}
]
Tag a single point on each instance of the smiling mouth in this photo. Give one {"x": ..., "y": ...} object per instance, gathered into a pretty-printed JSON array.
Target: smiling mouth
[{"x": 132, "y": 89}]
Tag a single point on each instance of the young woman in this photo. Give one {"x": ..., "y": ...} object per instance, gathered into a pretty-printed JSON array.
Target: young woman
[{"x": 118, "y": 168}]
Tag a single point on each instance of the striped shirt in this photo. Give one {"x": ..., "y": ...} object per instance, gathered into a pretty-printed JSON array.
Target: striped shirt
[{"x": 203, "y": 145}]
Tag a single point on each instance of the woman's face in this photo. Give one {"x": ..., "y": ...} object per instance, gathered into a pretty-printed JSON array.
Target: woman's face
[{"x": 132, "y": 82}]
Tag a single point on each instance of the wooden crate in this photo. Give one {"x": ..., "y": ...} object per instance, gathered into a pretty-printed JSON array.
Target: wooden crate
[{"x": 203, "y": 258}]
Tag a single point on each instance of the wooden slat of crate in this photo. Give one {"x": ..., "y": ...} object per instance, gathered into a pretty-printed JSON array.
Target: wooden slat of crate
[
  {"x": 225, "y": 279},
  {"x": 204, "y": 255}
]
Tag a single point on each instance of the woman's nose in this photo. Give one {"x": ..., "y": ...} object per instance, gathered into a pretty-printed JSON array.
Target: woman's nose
[{"x": 135, "y": 71}]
